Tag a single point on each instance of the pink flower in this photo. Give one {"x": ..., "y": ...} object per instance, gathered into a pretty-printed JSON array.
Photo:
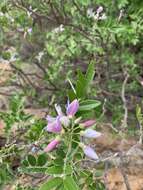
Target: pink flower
[
  {"x": 72, "y": 108},
  {"x": 52, "y": 145},
  {"x": 50, "y": 119},
  {"x": 89, "y": 152},
  {"x": 88, "y": 123},
  {"x": 65, "y": 121},
  {"x": 90, "y": 133},
  {"x": 55, "y": 126}
]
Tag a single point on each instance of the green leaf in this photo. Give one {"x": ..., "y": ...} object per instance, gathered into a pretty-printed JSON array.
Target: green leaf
[
  {"x": 84, "y": 81},
  {"x": 54, "y": 170},
  {"x": 90, "y": 73},
  {"x": 71, "y": 95},
  {"x": 60, "y": 152},
  {"x": 42, "y": 159},
  {"x": 31, "y": 159},
  {"x": 84, "y": 2},
  {"x": 25, "y": 163},
  {"x": 58, "y": 162},
  {"x": 89, "y": 105},
  {"x": 81, "y": 85},
  {"x": 70, "y": 184},
  {"x": 52, "y": 183},
  {"x": 61, "y": 187},
  {"x": 32, "y": 169},
  {"x": 68, "y": 169}
]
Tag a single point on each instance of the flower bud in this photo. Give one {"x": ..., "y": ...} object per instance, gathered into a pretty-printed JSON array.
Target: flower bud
[
  {"x": 52, "y": 145},
  {"x": 72, "y": 108},
  {"x": 89, "y": 152},
  {"x": 78, "y": 120},
  {"x": 90, "y": 133},
  {"x": 99, "y": 10},
  {"x": 88, "y": 123}
]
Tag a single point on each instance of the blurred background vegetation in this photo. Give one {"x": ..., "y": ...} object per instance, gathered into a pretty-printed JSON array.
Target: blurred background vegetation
[{"x": 44, "y": 42}]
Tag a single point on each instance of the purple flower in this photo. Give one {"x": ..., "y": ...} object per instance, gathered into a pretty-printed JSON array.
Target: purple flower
[
  {"x": 50, "y": 119},
  {"x": 52, "y": 145},
  {"x": 65, "y": 121},
  {"x": 88, "y": 123},
  {"x": 72, "y": 108},
  {"x": 90, "y": 133},
  {"x": 89, "y": 152},
  {"x": 99, "y": 10},
  {"x": 29, "y": 30},
  {"x": 55, "y": 126}
]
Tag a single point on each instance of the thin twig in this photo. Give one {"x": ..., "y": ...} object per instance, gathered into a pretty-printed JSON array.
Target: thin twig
[
  {"x": 124, "y": 122},
  {"x": 139, "y": 118},
  {"x": 141, "y": 133},
  {"x": 44, "y": 71}
]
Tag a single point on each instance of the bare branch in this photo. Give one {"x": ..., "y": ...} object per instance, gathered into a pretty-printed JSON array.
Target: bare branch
[{"x": 124, "y": 122}]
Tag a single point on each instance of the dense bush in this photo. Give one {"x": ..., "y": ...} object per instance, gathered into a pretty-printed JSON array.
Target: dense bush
[{"x": 61, "y": 36}]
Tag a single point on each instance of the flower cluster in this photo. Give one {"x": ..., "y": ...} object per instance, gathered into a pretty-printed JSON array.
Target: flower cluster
[
  {"x": 59, "y": 29},
  {"x": 56, "y": 125},
  {"x": 96, "y": 15}
]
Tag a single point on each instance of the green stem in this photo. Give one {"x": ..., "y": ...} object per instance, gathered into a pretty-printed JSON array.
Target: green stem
[{"x": 69, "y": 148}]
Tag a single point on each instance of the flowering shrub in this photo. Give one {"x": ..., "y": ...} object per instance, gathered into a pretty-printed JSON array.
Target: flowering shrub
[
  {"x": 69, "y": 146},
  {"x": 57, "y": 146},
  {"x": 57, "y": 125}
]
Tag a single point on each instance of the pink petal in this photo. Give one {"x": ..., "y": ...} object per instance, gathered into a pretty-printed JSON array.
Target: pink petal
[
  {"x": 52, "y": 145},
  {"x": 54, "y": 127},
  {"x": 50, "y": 119},
  {"x": 88, "y": 123},
  {"x": 90, "y": 133},
  {"x": 72, "y": 108},
  {"x": 59, "y": 110},
  {"x": 89, "y": 152},
  {"x": 65, "y": 121}
]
